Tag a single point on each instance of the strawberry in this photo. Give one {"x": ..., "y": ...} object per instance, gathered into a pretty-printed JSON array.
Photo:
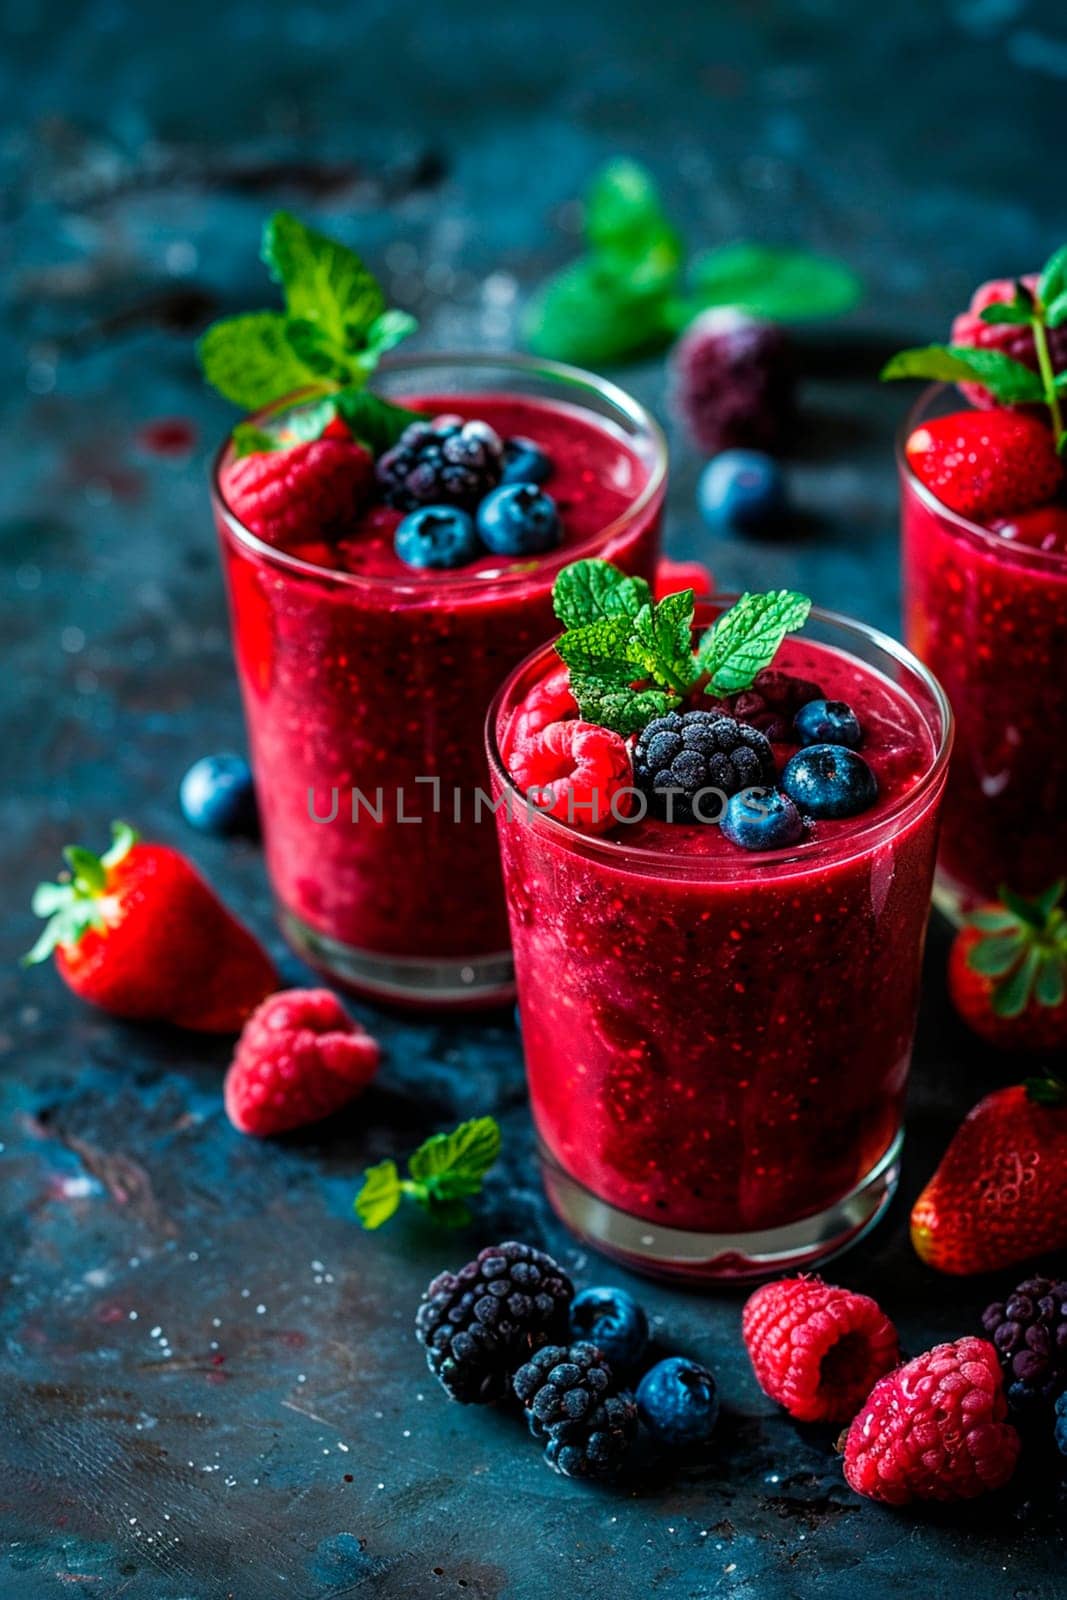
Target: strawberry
[
  {"x": 300, "y": 1057},
  {"x": 1007, "y": 971},
  {"x": 1011, "y": 339},
  {"x": 986, "y": 464},
  {"x": 1000, "y": 1193},
  {"x": 1042, "y": 528},
  {"x": 138, "y": 932},
  {"x": 315, "y": 488}
]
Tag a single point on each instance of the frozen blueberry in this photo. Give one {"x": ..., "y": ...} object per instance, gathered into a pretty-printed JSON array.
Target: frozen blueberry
[
  {"x": 762, "y": 819},
  {"x": 436, "y": 536},
  {"x": 828, "y": 722},
  {"x": 741, "y": 491},
  {"x": 525, "y": 462},
  {"x": 217, "y": 795},
  {"x": 678, "y": 1402},
  {"x": 519, "y": 519},
  {"x": 613, "y": 1321},
  {"x": 829, "y": 780}
]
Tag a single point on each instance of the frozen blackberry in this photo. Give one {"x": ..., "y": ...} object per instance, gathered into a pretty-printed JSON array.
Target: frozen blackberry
[
  {"x": 687, "y": 761},
  {"x": 479, "y": 1324},
  {"x": 567, "y": 1391},
  {"x": 1029, "y": 1334},
  {"x": 445, "y": 462}
]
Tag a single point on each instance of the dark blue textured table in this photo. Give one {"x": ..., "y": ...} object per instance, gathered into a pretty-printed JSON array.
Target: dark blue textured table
[{"x": 209, "y": 1385}]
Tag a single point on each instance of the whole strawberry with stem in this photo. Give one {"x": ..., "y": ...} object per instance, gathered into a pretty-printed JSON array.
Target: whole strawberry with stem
[
  {"x": 1007, "y": 971},
  {"x": 137, "y": 932},
  {"x": 1000, "y": 1193}
]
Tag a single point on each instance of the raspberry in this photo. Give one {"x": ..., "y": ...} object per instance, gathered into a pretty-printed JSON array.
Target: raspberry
[
  {"x": 313, "y": 489},
  {"x": 934, "y": 1429},
  {"x": 574, "y": 771},
  {"x": 674, "y": 576},
  {"x": 1011, "y": 339},
  {"x": 986, "y": 464},
  {"x": 550, "y": 700},
  {"x": 444, "y": 462},
  {"x": 817, "y": 1349},
  {"x": 1029, "y": 1334},
  {"x": 570, "y": 1405},
  {"x": 772, "y": 702},
  {"x": 478, "y": 1325},
  {"x": 300, "y": 1057},
  {"x": 693, "y": 753},
  {"x": 733, "y": 381}
]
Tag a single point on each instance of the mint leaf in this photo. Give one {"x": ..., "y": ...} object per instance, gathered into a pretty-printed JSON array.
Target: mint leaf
[
  {"x": 627, "y": 231},
  {"x": 1056, "y": 313},
  {"x": 1053, "y": 281},
  {"x": 1011, "y": 312},
  {"x": 325, "y": 283},
  {"x": 588, "y": 315},
  {"x": 588, "y": 590},
  {"x": 375, "y": 422},
  {"x": 446, "y": 1170},
  {"x": 601, "y": 649},
  {"x": 781, "y": 284},
  {"x": 619, "y": 707},
  {"x": 380, "y": 1196},
  {"x": 746, "y": 638},
  {"x": 248, "y": 440},
  {"x": 1008, "y": 380},
  {"x": 662, "y": 641},
  {"x": 250, "y": 361}
]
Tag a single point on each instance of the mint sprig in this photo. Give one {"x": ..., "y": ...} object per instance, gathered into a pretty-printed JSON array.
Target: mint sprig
[
  {"x": 333, "y": 331},
  {"x": 443, "y": 1173},
  {"x": 628, "y": 294},
  {"x": 1009, "y": 381},
  {"x": 631, "y": 658},
  {"x": 1023, "y": 947}
]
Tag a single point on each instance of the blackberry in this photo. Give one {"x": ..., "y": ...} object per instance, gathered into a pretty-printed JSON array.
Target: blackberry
[
  {"x": 445, "y": 462},
  {"x": 571, "y": 1405},
  {"x": 1029, "y": 1333},
  {"x": 733, "y": 380},
  {"x": 694, "y": 751},
  {"x": 479, "y": 1324}
]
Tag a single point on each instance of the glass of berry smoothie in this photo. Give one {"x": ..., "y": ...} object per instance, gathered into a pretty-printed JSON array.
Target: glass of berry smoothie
[
  {"x": 985, "y": 606},
  {"x": 367, "y": 657},
  {"x": 718, "y": 1038}
]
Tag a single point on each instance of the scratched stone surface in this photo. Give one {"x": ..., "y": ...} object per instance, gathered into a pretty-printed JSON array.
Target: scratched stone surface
[{"x": 209, "y": 1385}]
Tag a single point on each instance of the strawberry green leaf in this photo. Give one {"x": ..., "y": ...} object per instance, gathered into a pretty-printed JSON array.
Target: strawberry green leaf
[
  {"x": 1047, "y": 1091},
  {"x": 587, "y": 590},
  {"x": 1053, "y": 281},
  {"x": 746, "y": 638},
  {"x": 1056, "y": 313},
  {"x": 73, "y": 905},
  {"x": 1012, "y": 994},
  {"x": 1051, "y": 985},
  {"x": 991, "y": 920},
  {"x": 994, "y": 956}
]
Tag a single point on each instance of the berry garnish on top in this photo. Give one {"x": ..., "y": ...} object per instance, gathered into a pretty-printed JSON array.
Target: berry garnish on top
[
  {"x": 762, "y": 819},
  {"x": 524, "y": 462},
  {"x": 829, "y": 780},
  {"x": 828, "y": 722},
  {"x": 577, "y": 772},
  {"x": 986, "y": 464},
  {"x": 1016, "y": 339},
  {"x": 285, "y": 496},
  {"x": 440, "y": 537},
  {"x": 519, "y": 519},
  {"x": 686, "y": 755},
  {"x": 445, "y": 461}
]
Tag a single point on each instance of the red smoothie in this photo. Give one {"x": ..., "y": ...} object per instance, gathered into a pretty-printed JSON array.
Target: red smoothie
[
  {"x": 987, "y": 611},
  {"x": 717, "y": 1041},
  {"x": 360, "y": 673}
]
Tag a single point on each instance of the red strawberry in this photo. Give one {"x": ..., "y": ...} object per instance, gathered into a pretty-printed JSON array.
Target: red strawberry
[
  {"x": 315, "y": 488},
  {"x": 574, "y": 771},
  {"x": 299, "y": 1059},
  {"x": 1043, "y": 528},
  {"x": 1011, "y": 339},
  {"x": 674, "y": 576},
  {"x": 1000, "y": 1193},
  {"x": 1007, "y": 971},
  {"x": 139, "y": 933},
  {"x": 986, "y": 464}
]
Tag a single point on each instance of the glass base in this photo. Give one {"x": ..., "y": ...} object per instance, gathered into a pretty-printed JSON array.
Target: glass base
[
  {"x": 434, "y": 983},
  {"x": 722, "y": 1257}
]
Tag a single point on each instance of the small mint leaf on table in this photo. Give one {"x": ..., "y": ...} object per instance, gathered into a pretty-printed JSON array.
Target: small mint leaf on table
[
  {"x": 746, "y": 638},
  {"x": 782, "y": 285},
  {"x": 380, "y": 1196},
  {"x": 443, "y": 1172},
  {"x": 588, "y": 590}
]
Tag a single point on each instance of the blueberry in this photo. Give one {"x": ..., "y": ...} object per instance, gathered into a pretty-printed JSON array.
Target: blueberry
[
  {"x": 828, "y": 722},
  {"x": 743, "y": 491},
  {"x": 519, "y": 519},
  {"x": 829, "y": 780},
  {"x": 217, "y": 795},
  {"x": 762, "y": 819},
  {"x": 678, "y": 1402},
  {"x": 525, "y": 462},
  {"x": 436, "y": 536},
  {"x": 613, "y": 1321}
]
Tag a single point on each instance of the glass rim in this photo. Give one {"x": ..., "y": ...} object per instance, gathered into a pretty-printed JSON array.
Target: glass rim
[
  {"x": 1004, "y": 549},
  {"x": 645, "y": 425},
  {"x": 796, "y": 859}
]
